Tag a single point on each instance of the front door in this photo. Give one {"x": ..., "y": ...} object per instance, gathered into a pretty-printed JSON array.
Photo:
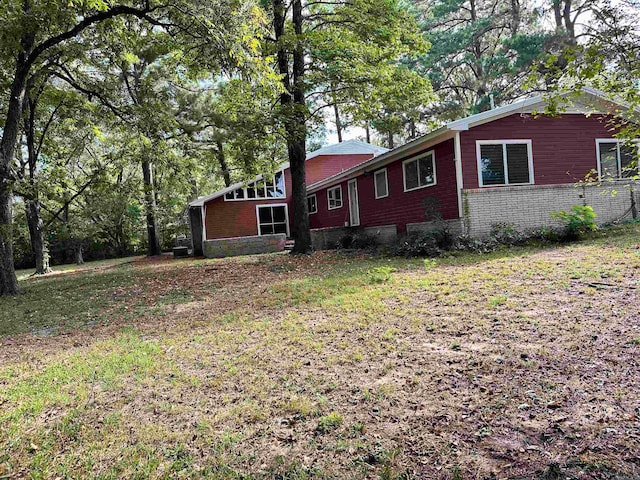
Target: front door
[{"x": 354, "y": 208}]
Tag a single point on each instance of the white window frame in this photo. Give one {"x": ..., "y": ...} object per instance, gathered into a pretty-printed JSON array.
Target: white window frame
[
  {"x": 269, "y": 205},
  {"x": 504, "y": 144},
  {"x": 333, "y": 189},
  {"x": 315, "y": 197},
  {"x": 263, "y": 179},
  {"x": 375, "y": 183},
  {"x": 417, "y": 159},
  {"x": 619, "y": 141}
]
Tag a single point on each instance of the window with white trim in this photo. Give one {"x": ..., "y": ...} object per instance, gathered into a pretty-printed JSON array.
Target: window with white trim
[
  {"x": 312, "y": 203},
  {"x": 269, "y": 187},
  {"x": 617, "y": 159},
  {"x": 334, "y": 197},
  {"x": 380, "y": 183},
  {"x": 419, "y": 172},
  {"x": 504, "y": 162},
  {"x": 272, "y": 219}
]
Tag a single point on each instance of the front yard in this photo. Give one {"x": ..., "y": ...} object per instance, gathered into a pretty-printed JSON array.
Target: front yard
[{"x": 519, "y": 364}]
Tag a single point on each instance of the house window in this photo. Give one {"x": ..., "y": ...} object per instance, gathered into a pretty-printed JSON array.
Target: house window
[
  {"x": 380, "y": 183},
  {"x": 272, "y": 219},
  {"x": 504, "y": 162},
  {"x": 269, "y": 187},
  {"x": 419, "y": 172},
  {"x": 312, "y": 204},
  {"x": 334, "y": 197},
  {"x": 617, "y": 159}
]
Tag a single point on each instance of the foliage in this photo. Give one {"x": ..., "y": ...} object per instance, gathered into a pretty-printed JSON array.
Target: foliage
[
  {"x": 580, "y": 220},
  {"x": 381, "y": 274},
  {"x": 329, "y": 422},
  {"x": 480, "y": 49},
  {"x": 432, "y": 243},
  {"x": 357, "y": 240}
]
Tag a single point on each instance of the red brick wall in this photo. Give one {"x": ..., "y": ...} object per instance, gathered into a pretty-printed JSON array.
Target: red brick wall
[
  {"x": 224, "y": 219},
  {"x": 563, "y": 148},
  {"x": 399, "y": 207}
]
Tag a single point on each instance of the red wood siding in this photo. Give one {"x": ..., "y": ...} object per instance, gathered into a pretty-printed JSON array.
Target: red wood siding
[
  {"x": 225, "y": 219},
  {"x": 564, "y": 147},
  {"x": 399, "y": 207},
  {"x": 324, "y": 166}
]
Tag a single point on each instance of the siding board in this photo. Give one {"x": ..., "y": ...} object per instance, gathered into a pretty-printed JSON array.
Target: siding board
[
  {"x": 563, "y": 147},
  {"x": 399, "y": 207}
]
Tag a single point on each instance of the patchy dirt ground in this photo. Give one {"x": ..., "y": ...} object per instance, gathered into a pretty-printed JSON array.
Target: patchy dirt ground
[{"x": 520, "y": 364}]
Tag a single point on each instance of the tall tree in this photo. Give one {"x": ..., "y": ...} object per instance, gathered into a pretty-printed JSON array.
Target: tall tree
[
  {"x": 327, "y": 53},
  {"x": 481, "y": 49},
  {"x": 32, "y": 29}
]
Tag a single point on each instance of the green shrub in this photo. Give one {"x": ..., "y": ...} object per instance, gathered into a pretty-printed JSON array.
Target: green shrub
[
  {"x": 357, "y": 241},
  {"x": 329, "y": 422},
  {"x": 428, "y": 244},
  {"x": 380, "y": 274},
  {"x": 580, "y": 220},
  {"x": 506, "y": 234}
]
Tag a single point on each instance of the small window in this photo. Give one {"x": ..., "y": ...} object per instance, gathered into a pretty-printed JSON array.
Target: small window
[
  {"x": 419, "y": 172},
  {"x": 504, "y": 162},
  {"x": 229, "y": 195},
  {"x": 272, "y": 219},
  {"x": 334, "y": 197},
  {"x": 312, "y": 204},
  {"x": 279, "y": 185},
  {"x": 617, "y": 159},
  {"x": 380, "y": 183}
]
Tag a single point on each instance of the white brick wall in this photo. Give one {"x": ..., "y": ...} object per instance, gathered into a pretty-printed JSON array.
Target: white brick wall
[{"x": 529, "y": 207}]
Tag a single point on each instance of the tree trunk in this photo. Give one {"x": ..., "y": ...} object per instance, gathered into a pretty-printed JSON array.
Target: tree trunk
[
  {"x": 32, "y": 205},
  {"x": 294, "y": 108},
  {"x": 390, "y": 140},
  {"x": 367, "y": 132},
  {"x": 36, "y": 235},
  {"x": 8, "y": 280},
  {"x": 11, "y": 127},
  {"x": 336, "y": 111},
  {"x": 223, "y": 164},
  {"x": 153, "y": 248},
  {"x": 78, "y": 253},
  {"x": 297, "y": 142}
]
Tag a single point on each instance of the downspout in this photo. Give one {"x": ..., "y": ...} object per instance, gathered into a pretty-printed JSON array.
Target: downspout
[
  {"x": 203, "y": 212},
  {"x": 458, "y": 162}
]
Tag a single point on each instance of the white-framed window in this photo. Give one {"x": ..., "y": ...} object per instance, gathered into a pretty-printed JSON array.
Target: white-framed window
[
  {"x": 616, "y": 158},
  {"x": 334, "y": 197},
  {"x": 380, "y": 183},
  {"x": 268, "y": 187},
  {"x": 312, "y": 203},
  {"x": 419, "y": 172},
  {"x": 272, "y": 219},
  {"x": 504, "y": 162}
]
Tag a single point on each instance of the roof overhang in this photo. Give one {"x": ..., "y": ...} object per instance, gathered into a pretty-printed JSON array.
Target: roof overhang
[{"x": 408, "y": 149}]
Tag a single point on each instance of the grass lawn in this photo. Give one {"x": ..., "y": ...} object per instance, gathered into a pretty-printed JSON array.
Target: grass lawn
[
  {"x": 72, "y": 267},
  {"x": 524, "y": 363}
]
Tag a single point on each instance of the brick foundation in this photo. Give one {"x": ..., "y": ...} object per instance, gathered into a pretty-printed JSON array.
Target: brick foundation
[
  {"x": 529, "y": 207},
  {"x": 230, "y": 247}
]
